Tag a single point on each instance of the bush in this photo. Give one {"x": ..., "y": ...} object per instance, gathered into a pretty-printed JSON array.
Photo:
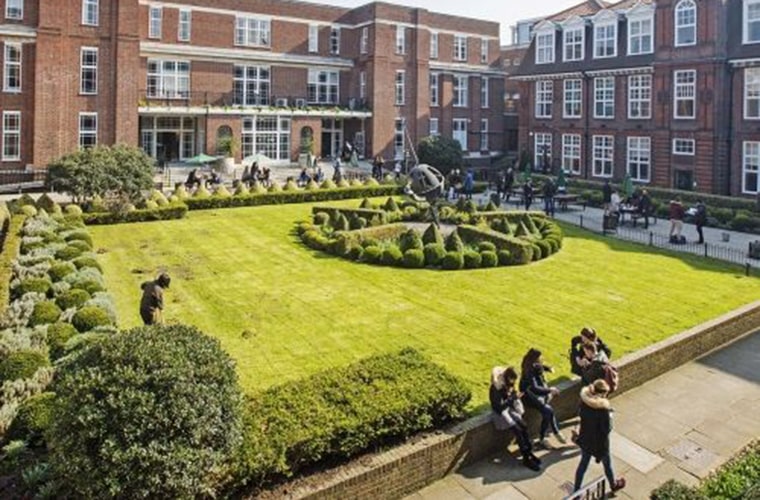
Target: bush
[
  {"x": 486, "y": 246},
  {"x": 169, "y": 212},
  {"x": 738, "y": 478},
  {"x": 89, "y": 285},
  {"x": 341, "y": 223},
  {"x": 57, "y": 336},
  {"x": 391, "y": 205},
  {"x": 90, "y": 317},
  {"x": 150, "y": 205},
  {"x": 366, "y": 204},
  {"x": 434, "y": 254},
  {"x": 44, "y": 312},
  {"x": 454, "y": 242},
  {"x": 356, "y": 253},
  {"x": 441, "y": 152},
  {"x": 453, "y": 261},
  {"x": 81, "y": 262},
  {"x": 37, "y": 285},
  {"x": 392, "y": 256},
  {"x": 373, "y": 254},
  {"x": 21, "y": 365},
  {"x": 79, "y": 235},
  {"x": 33, "y": 419},
  {"x": 81, "y": 245},
  {"x": 321, "y": 218},
  {"x": 489, "y": 258},
  {"x": 72, "y": 209},
  {"x": 673, "y": 490},
  {"x": 546, "y": 248},
  {"x": 410, "y": 240},
  {"x": 75, "y": 297},
  {"x": 472, "y": 259},
  {"x": 68, "y": 253},
  {"x": 745, "y": 222},
  {"x": 153, "y": 412},
  {"x": 414, "y": 258},
  {"x": 432, "y": 235},
  {"x": 28, "y": 210},
  {"x": 46, "y": 203},
  {"x": 339, "y": 413}
]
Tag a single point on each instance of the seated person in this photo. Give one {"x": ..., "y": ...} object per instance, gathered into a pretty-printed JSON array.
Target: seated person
[
  {"x": 193, "y": 180},
  {"x": 587, "y": 336},
  {"x": 508, "y": 412},
  {"x": 214, "y": 180},
  {"x": 304, "y": 178}
]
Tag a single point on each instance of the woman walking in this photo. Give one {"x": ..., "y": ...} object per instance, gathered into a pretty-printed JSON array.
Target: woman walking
[{"x": 537, "y": 394}]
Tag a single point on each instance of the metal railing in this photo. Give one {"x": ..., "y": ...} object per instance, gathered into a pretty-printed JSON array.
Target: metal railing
[
  {"x": 595, "y": 490},
  {"x": 235, "y": 99},
  {"x": 17, "y": 181}
]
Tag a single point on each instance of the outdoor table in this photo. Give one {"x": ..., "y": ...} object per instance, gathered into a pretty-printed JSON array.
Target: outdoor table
[
  {"x": 626, "y": 210},
  {"x": 564, "y": 199}
]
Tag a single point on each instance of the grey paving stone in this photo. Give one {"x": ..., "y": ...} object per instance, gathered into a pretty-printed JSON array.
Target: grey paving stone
[{"x": 640, "y": 458}]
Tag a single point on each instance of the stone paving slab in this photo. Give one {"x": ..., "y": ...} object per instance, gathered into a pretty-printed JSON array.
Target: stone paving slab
[{"x": 639, "y": 457}]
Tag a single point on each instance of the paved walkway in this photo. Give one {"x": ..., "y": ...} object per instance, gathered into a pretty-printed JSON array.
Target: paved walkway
[{"x": 681, "y": 426}]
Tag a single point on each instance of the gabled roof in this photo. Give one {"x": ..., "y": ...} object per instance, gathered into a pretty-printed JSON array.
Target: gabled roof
[
  {"x": 583, "y": 9},
  {"x": 628, "y": 4}
]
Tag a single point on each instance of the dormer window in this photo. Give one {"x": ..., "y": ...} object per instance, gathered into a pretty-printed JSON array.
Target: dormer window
[
  {"x": 573, "y": 40},
  {"x": 751, "y": 21},
  {"x": 545, "y": 43},
  {"x": 641, "y": 30},
  {"x": 605, "y": 34},
  {"x": 686, "y": 23}
]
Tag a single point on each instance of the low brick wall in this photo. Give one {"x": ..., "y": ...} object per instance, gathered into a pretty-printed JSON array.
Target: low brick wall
[{"x": 410, "y": 467}]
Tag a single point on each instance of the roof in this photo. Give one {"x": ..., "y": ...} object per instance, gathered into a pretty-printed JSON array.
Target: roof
[{"x": 586, "y": 8}]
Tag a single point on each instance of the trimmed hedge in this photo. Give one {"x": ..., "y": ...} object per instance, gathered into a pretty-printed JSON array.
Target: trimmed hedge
[
  {"x": 333, "y": 213},
  {"x": 57, "y": 336},
  {"x": 33, "y": 419},
  {"x": 61, "y": 269},
  {"x": 90, "y": 317},
  {"x": 336, "y": 414},
  {"x": 11, "y": 243},
  {"x": 520, "y": 250},
  {"x": 75, "y": 297},
  {"x": 21, "y": 365},
  {"x": 44, "y": 312},
  {"x": 166, "y": 212}
]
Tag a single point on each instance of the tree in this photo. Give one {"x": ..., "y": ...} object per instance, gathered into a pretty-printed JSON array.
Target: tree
[
  {"x": 441, "y": 152},
  {"x": 110, "y": 172}
]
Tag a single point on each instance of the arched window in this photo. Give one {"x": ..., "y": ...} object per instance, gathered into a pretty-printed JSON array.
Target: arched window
[
  {"x": 307, "y": 140},
  {"x": 225, "y": 143},
  {"x": 686, "y": 23}
]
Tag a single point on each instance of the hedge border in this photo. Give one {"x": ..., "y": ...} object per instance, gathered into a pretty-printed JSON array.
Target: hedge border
[{"x": 11, "y": 245}]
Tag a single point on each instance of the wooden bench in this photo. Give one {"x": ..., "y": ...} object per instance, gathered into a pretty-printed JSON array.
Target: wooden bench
[{"x": 635, "y": 216}]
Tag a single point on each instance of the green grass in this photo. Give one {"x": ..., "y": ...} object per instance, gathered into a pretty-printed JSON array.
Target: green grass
[{"x": 284, "y": 311}]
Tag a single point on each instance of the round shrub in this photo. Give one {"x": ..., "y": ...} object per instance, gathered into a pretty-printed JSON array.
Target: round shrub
[
  {"x": 522, "y": 254},
  {"x": 434, "y": 254},
  {"x": 453, "y": 261},
  {"x": 38, "y": 285},
  {"x": 72, "y": 209},
  {"x": 546, "y": 248},
  {"x": 33, "y": 419},
  {"x": 505, "y": 257},
  {"x": 356, "y": 253},
  {"x": 21, "y": 365},
  {"x": 489, "y": 259},
  {"x": 454, "y": 242},
  {"x": 28, "y": 210},
  {"x": 411, "y": 213},
  {"x": 554, "y": 243},
  {"x": 472, "y": 259},
  {"x": 44, "y": 312},
  {"x": 151, "y": 205},
  {"x": 82, "y": 245},
  {"x": 486, "y": 246},
  {"x": 81, "y": 262},
  {"x": 341, "y": 246},
  {"x": 321, "y": 218},
  {"x": 370, "y": 242},
  {"x": 392, "y": 256},
  {"x": 31, "y": 244},
  {"x": 154, "y": 412},
  {"x": 57, "y": 335},
  {"x": 305, "y": 226},
  {"x": 410, "y": 240},
  {"x": 68, "y": 252},
  {"x": 90, "y": 317},
  {"x": 90, "y": 286},
  {"x": 414, "y": 258},
  {"x": 373, "y": 254},
  {"x": 76, "y": 297}
]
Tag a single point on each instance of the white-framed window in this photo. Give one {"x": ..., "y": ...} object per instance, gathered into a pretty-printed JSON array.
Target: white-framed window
[
  {"x": 639, "y": 97},
  {"x": 363, "y": 85},
  {"x": 434, "y": 89},
  {"x": 267, "y": 135},
  {"x": 573, "y": 44},
  {"x": 335, "y": 40},
  {"x": 460, "y": 47},
  {"x": 155, "y": 18},
  {"x": 544, "y": 98},
  {"x": 11, "y": 136},
  {"x": 605, "y": 40},
  {"x": 459, "y": 133},
  {"x": 364, "y": 42},
  {"x": 88, "y": 130},
  {"x": 434, "y": 127},
  {"x": 14, "y": 9},
  {"x": 542, "y": 150},
  {"x": 685, "y": 93},
  {"x": 484, "y": 146},
  {"x": 314, "y": 38},
  {"x": 88, "y": 71},
  {"x": 604, "y": 97},
  {"x": 640, "y": 36},
  {"x": 571, "y": 153},
  {"x": 252, "y": 31},
  {"x": 461, "y": 90},
  {"x": 400, "y": 87},
  {"x": 90, "y": 12},
  {"x": 323, "y": 86},
  {"x": 750, "y": 167},
  {"x": 752, "y": 93},
  {"x": 573, "y": 98},
  {"x": 485, "y": 94},
  {"x": 434, "y": 45},
  {"x": 603, "y": 152},
  {"x": 12, "y": 67},
  {"x": 168, "y": 79},
  {"x": 399, "y": 139},
  {"x": 484, "y": 51},
  {"x": 751, "y": 24},
  {"x": 545, "y": 47},
  {"x": 685, "y": 23},
  {"x": 686, "y": 147},
  {"x": 185, "y": 27},
  {"x": 251, "y": 85},
  {"x": 639, "y": 158},
  {"x": 400, "y": 39}
]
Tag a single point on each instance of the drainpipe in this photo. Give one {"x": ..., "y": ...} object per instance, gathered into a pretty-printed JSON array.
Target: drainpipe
[
  {"x": 586, "y": 118},
  {"x": 730, "y": 140}
]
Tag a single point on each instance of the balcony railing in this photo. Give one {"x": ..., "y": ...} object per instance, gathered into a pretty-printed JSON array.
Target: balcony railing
[{"x": 237, "y": 100}]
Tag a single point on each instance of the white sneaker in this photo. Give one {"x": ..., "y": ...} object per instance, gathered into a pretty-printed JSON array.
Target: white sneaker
[
  {"x": 561, "y": 438},
  {"x": 544, "y": 443}
]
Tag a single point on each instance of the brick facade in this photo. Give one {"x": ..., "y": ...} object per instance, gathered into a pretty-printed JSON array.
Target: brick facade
[{"x": 170, "y": 94}]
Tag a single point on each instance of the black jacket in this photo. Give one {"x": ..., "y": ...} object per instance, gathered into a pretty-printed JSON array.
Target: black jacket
[
  {"x": 501, "y": 399},
  {"x": 533, "y": 385},
  {"x": 576, "y": 351},
  {"x": 596, "y": 425}
]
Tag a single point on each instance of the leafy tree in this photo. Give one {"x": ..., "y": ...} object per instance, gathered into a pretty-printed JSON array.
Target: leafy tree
[
  {"x": 441, "y": 152},
  {"x": 108, "y": 171}
]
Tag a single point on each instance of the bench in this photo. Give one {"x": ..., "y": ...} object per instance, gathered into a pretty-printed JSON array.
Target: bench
[{"x": 635, "y": 216}]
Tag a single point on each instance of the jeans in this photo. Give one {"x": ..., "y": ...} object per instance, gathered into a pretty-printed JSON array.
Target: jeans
[
  {"x": 583, "y": 466},
  {"x": 523, "y": 440},
  {"x": 548, "y": 419},
  {"x": 549, "y": 205},
  {"x": 699, "y": 232}
]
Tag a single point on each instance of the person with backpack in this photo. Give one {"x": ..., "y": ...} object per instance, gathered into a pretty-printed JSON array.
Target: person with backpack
[
  {"x": 594, "y": 436},
  {"x": 537, "y": 394},
  {"x": 700, "y": 219},
  {"x": 508, "y": 412}
]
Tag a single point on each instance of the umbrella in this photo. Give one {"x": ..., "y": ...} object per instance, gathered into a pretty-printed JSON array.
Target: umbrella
[
  {"x": 526, "y": 171},
  {"x": 201, "y": 159},
  {"x": 257, "y": 158},
  {"x": 561, "y": 180},
  {"x": 628, "y": 186}
]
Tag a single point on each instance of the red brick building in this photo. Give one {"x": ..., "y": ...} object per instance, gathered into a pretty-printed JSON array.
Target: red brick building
[
  {"x": 175, "y": 76},
  {"x": 665, "y": 91}
]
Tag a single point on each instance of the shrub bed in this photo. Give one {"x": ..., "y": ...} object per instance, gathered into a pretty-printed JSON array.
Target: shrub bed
[
  {"x": 168, "y": 212},
  {"x": 339, "y": 413}
]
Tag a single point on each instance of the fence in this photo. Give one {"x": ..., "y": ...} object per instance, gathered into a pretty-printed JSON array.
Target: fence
[
  {"x": 596, "y": 490},
  {"x": 17, "y": 181}
]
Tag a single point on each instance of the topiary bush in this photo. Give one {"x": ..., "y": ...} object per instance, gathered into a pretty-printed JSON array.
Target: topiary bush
[
  {"x": 28, "y": 210},
  {"x": 410, "y": 240},
  {"x": 453, "y": 261},
  {"x": 58, "y": 334},
  {"x": 392, "y": 256},
  {"x": 391, "y": 205},
  {"x": 83, "y": 261},
  {"x": 414, "y": 258},
  {"x": 68, "y": 252},
  {"x": 366, "y": 204},
  {"x": 82, "y": 245},
  {"x": 321, "y": 218},
  {"x": 37, "y": 285},
  {"x": 72, "y": 209},
  {"x": 44, "y": 312},
  {"x": 341, "y": 223},
  {"x": 673, "y": 490},
  {"x": 432, "y": 235},
  {"x": 434, "y": 254},
  {"x": 21, "y": 365},
  {"x": 75, "y": 297},
  {"x": 489, "y": 258},
  {"x": 90, "y": 317},
  {"x": 486, "y": 246},
  {"x": 61, "y": 269},
  {"x": 505, "y": 257},
  {"x": 472, "y": 259},
  {"x": 373, "y": 254},
  {"x": 33, "y": 419},
  {"x": 546, "y": 248},
  {"x": 154, "y": 412},
  {"x": 454, "y": 242}
]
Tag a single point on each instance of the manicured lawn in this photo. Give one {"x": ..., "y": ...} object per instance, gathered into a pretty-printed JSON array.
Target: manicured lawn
[{"x": 284, "y": 311}]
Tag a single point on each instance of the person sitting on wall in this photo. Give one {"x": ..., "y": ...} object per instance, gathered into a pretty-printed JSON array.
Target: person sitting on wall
[
  {"x": 193, "y": 180},
  {"x": 304, "y": 178},
  {"x": 214, "y": 180},
  {"x": 587, "y": 336}
]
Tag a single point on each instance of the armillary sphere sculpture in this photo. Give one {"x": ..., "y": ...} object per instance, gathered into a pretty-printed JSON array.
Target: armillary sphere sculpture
[{"x": 427, "y": 184}]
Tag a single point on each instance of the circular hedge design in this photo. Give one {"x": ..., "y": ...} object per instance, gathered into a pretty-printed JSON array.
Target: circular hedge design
[{"x": 473, "y": 237}]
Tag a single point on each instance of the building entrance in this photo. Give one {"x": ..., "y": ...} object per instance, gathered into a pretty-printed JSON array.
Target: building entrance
[{"x": 332, "y": 137}]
